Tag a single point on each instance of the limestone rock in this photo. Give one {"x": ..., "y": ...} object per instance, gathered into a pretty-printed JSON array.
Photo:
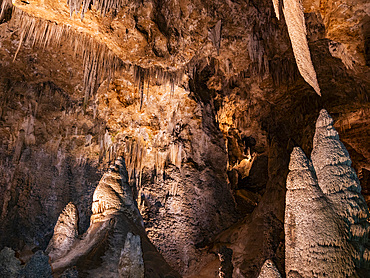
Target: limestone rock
[
  {"x": 339, "y": 182},
  {"x": 269, "y": 270},
  {"x": 226, "y": 269},
  {"x": 9, "y": 264},
  {"x": 109, "y": 247},
  {"x": 294, "y": 17},
  {"x": 275, "y": 3},
  {"x": 113, "y": 193},
  {"x": 65, "y": 232},
  {"x": 131, "y": 263},
  {"x": 315, "y": 241},
  {"x": 37, "y": 267},
  {"x": 70, "y": 273}
]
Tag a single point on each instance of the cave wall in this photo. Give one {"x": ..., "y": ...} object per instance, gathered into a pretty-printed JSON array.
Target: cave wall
[{"x": 205, "y": 118}]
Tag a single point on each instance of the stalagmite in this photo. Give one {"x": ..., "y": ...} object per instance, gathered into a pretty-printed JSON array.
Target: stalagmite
[
  {"x": 115, "y": 244},
  {"x": 131, "y": 262},
  {"x": 294, "y": 17},
  {"x": 113, "y": 193},
  {"x": 269, "y": 270},
  {"x": 339, "y": 182},
  {"x": 65, "y": 233},
  {"x": 315, "y": 241}
]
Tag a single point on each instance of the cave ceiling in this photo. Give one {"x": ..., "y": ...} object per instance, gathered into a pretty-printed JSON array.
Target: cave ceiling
[{"x": 204, "y": 100}]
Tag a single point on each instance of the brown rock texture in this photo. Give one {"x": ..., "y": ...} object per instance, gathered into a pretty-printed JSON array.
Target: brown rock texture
[
  {"x": 65, "y": 232},
  {"x": 204, "y": 100}
]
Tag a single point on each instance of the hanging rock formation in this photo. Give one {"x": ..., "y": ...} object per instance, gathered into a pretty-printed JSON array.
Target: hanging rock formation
[
  {"x": 65, "y": 232},
  {"x": 269, "y": 270},
  {"x": 275, "y": 3},
  {"x": 294, "y": 18},
  {"x": 339, "y": 182}
]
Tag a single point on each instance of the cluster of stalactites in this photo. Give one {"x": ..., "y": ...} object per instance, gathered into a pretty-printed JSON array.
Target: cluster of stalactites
[
  {"x": 326, "y": 218},
  {"x": 143, "y": 77},
  {"x": 103, "y": 6},
  {"x": 294, "y": 18},
  {"x": 5, "y": 5},
  {"x": 99, "y": 61}
]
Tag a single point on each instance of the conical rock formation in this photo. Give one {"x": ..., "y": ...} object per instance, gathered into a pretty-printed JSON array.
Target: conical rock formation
[
  {"x": 131, "y": 263},
  {"x": 315, "y": 242},
  {"x": 65, "y": 233},
  {"x": 113, "y": 193},
  {"x": 115, "y": 244},
  {"x": 269, "y": 270},
  {"x": 340, "y": 184}
]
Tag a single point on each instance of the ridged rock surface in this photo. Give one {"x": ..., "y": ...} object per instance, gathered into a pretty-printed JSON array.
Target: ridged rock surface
[
  {"x": 115, "y": 244},
  {"x": 131, "y": 263},
  {"x": 315, "y": 241},
  {"x": 339, "y": 182},
  {"x": 65, "y": 232},
  {"x": 294, "y": 18},
  {"x": 269, "y": 270},
  {"x": 326, "y": 217}
]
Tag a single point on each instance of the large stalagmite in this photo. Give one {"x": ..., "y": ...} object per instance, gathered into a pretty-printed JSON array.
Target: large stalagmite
[
  {"x": 269, "y": 270},
  {"x": 315, "y": 241},
  {"x": 115, "y": 245},
  {"x": 65, "y": 233},
  {"x": 294, "y": 17},
  {"x": 339, "y": 182}
]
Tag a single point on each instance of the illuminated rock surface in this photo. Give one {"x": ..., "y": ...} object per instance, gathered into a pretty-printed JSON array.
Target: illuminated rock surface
[
  {"x": 204, "y": 100},
  {"x": 269, "y": 270},
  {"x": 326, "y": 217}
]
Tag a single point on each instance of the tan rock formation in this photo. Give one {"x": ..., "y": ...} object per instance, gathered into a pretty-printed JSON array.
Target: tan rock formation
[
  {"x": 294, "y": 17},
  {"x": 269, "y": 270},
  {"x": 275, "y": 3},
  {"x": 65, "y": 233},
  {"x": 340, "y": 184},
  {"x": 131, "y": 263},
  {"x": 115, "y": 244},
  {"x": 315, "y": 242}
]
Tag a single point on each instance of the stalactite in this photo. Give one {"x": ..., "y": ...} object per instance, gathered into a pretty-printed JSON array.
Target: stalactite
[
  {"x": 5, "y": 7},
  {"x": 135, "y": 154},
  {"x": 275, "y": 3},
  {"x": 98, "y": 61},
  {"x": 103, "y": 6},
  {"x": 294, "y": 17},
  {"x": 215, "y": 36}
]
